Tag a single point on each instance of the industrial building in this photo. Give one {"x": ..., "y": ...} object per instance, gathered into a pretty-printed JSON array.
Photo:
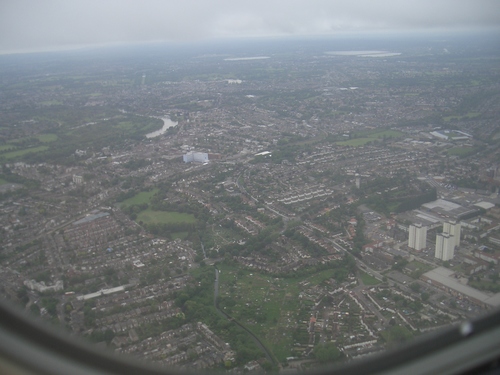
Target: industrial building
[
  {"x": 445, "y": 279},
  {"x": 417, "y": 237}
]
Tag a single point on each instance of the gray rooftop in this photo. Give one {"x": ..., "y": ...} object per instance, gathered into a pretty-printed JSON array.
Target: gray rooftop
[
  {"x": 90, "y": 218},
  {"x": 444, "y": 276}
]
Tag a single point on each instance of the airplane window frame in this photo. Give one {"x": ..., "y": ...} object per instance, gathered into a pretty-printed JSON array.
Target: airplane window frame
[{"x": 30, "y": 346}]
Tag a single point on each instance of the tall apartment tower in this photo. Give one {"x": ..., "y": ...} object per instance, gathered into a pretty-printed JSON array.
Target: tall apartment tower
[
  {"x": 453, "y": 229},
  {"x": 358, "y": 180},
  {"x": 445, "y": 246},
  {"x": 417, "y": 236}
]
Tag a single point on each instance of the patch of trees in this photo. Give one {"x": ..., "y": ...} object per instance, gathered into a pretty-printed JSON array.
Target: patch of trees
[
  {"x": 396, "y": 335},
  {"x": 134, "y": 209},
  {"x": 327, "y": 352},
  {"x": 135, "y": 164},
  {"x": 50, "y": 304},
  {"x": 102, "y": 336},
  {"x": 196, "y": 302},
  {"x": 29, "y": 184},
  {"x": 399, "y": 263},
  {"x": 415, "y": 202},
  {"x": 43, "y": 276},
  {"x": 384, "y": 203},
  {"x": 106, "y": 129},
  {"x": 470, "y": 183},
  {"x": 260, "y": 242},
  {"x": 234, "y": 202},
  {"x": 125, "y": 195},
  {"x": 311, "y": 247}
]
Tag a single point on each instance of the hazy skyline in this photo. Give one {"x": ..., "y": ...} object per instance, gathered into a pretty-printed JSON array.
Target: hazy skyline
[{"x": 31, "y": 25}]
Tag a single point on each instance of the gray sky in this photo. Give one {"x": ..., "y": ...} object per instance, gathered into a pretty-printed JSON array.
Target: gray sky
[{"x": 34, "y": 25}]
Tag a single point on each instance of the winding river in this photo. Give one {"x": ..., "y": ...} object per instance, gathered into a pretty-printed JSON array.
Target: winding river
[{"x": 167, "y": 123}]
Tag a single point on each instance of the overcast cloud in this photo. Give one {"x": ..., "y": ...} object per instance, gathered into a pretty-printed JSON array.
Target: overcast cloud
[{"x": 28, "y": 25}]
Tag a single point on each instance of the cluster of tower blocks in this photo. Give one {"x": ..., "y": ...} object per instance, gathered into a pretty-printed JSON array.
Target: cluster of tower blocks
[{"x": 446, "y": 242}]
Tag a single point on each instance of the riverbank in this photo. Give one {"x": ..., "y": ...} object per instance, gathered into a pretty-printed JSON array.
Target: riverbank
[{"x": 167, "y": 123}]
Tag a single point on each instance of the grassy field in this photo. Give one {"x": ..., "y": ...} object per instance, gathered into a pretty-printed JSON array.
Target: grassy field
[
  {"x": 356, "y": 142},
  {"x": 381, "y": 133},
  {"x": 3, "y": 182},
  {"x": 139, "y": 198},
  {"x": 321, "y": 276},
  {"x": 368, "y": 279},
  {"x": 79, "y": 129},
  {"x": 19, "y": 153},
  {"x": 420, "y": 267},
  {"x": 46, "y": 138},
  {"x": 469, "y": 115},
  {"x": 163, "y": 217},
  {"x": 462, "y": 151},
  {"x": 369, "y": 136},
  {"x": 126, "y": 125},
  {"x": 266, "y": 305},
  {"x": 270, "y": 307}
]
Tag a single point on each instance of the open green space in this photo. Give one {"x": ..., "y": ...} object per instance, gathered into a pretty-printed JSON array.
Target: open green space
[
  {"x": 139, "y": 198},
  {"x": 388, "y": 133},
  {"x": 7, "y": 148},
  {"x": 126, "y": 125},
  {"x": 47, "y": 138},
  {"x": 164, "y": 217},
  {"x": 420, "y": 268},
  {"x": 490, "y": 286},
  {"x": 3, "y": 182},
  {"x": 79, "y": 128},
  {"x": 266, "y": 305},
  {"x": 17, "y": 140},
  {"x": 462, "y": 151},
  {"x": 19, "y": 153},
  {"x": 368, "y": 279},
  {"x": 362, "y": 138},
  {"x": 322, "y": 276},
  {"x": 356, "y": 142},
  {"x": 396, "y": 335},
  {"x": 221, "y": 236},
  {"x": 269, "y": 306},
  {"x": 467, "y": 116}
]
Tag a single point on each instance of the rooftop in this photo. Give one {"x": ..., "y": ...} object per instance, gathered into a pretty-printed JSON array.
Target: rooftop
[{"x": 444, "y": 276}]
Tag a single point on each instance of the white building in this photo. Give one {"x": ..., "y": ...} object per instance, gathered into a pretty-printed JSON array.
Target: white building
[
  {"x": 77, "y": 179},
  {"x": 445, "y": 246},
  {"x": 198, "y": 157},
  {"x": 42, "y": 288},
  {"x": 452, "y": 228},
  {"x": 417, "y": 236}
]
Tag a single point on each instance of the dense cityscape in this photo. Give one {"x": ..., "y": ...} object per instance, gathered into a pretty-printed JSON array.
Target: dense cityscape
[{"x": 264, "y": 206}]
